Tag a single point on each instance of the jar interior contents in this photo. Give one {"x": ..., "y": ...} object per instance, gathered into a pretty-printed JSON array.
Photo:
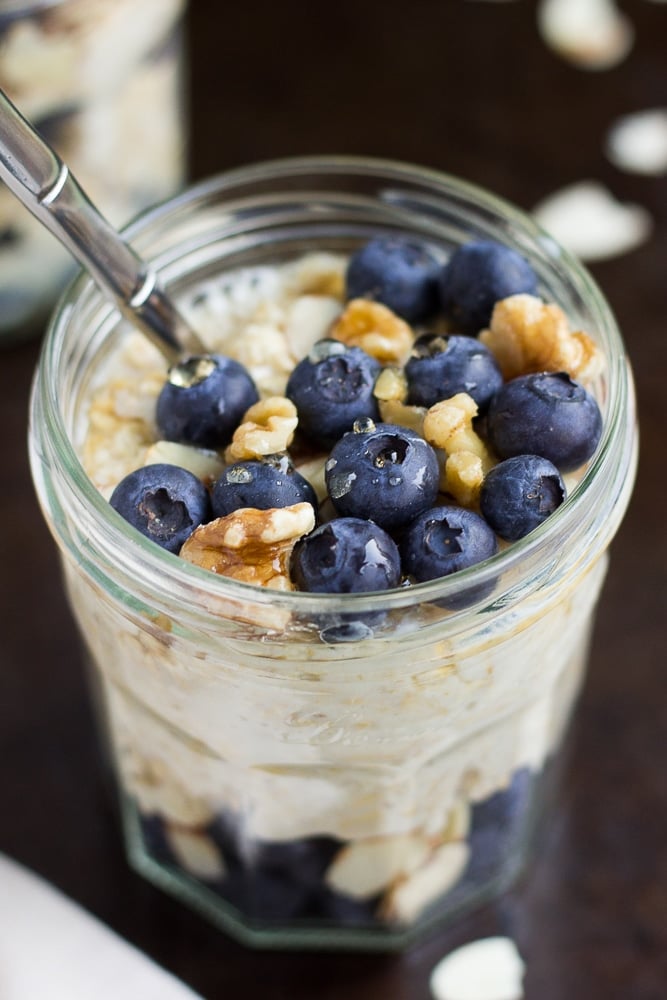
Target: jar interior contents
[{"x": 363, "y": 422}]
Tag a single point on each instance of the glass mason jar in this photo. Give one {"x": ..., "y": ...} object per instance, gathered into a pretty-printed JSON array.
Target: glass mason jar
[
  {"x": 298, "y": 782},
  {"x": 100, "y": 79}
]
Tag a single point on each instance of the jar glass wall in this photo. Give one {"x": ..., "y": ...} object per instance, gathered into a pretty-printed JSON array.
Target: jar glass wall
[
  {"x": 297, "y": 788},
  {"x": 102, "y": 80}
]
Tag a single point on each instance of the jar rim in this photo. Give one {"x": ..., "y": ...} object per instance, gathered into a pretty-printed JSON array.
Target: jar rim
[{"x": 147, "y": 564}]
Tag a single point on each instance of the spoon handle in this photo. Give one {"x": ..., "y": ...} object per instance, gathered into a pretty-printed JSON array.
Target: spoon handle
[{"x": 39, "y": 178}]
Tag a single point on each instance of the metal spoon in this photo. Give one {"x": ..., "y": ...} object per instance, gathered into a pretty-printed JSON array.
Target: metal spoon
[{"x": 39, "y": 178}]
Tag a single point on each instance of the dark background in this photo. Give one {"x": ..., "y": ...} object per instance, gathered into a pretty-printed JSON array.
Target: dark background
[{"x": 470, "y": 88}]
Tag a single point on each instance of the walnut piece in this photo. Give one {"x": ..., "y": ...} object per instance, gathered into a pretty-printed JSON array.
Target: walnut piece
[
  {"x": 391, "y": 392},
  {"x": 375, "y": 329},
  {"x": 393, "y": 411},
  {"x": 317, "y": 274},
  {"x": 528, "y": 335},
  {"x": 267, "y": 429},
  {"x": 391, "y": 384},
  {"x": 250, "y": 545},
  {"x": 462, "y": 477},
  {"x": 448, "y": 427}
]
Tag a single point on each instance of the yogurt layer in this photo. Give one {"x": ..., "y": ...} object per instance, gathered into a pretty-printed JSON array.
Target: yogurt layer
[{"x": 372, "y": 747}]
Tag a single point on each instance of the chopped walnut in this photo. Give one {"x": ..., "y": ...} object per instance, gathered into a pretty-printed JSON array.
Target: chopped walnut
[
  {"x": 267, "y": 429},
  {"x": 375, "y": 329},
  {"x": 249, "y": 545},
  {"x": 391, "y": 384},
  {"x": 448, "y": 426},
  {"x": 393, "y": 411},
  {"x": 317, "y": 274},
  {"x": 527, "y": 335},
  {"x": 391, "y": 391},
  {"x": 462, "y": 477}
]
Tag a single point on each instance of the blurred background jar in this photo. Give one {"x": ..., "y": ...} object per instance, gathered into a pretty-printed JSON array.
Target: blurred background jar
[{"x": 102, "y": 80}]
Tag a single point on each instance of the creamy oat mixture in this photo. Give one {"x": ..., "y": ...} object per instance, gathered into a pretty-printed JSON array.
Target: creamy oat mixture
[{"x": 388, "y": 747}]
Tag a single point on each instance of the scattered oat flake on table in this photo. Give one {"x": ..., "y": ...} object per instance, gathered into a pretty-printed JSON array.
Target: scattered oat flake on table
[
  {"x": 638, "y": 142},
  {"x": 488, "y": 969},
  {"x": 592, "y": 34},
  {"x": 587, "y": 220}
]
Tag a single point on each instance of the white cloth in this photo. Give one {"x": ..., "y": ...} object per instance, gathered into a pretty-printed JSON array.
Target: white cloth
[{"x": 52, "y": 949}]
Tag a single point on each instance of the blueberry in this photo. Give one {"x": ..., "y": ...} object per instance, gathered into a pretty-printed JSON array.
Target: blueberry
[
  {"x": 400, "y": 274},
  {"x": 271, "y": 482},
  {"x": 265, "y": 896},
  {"x": 303, "y": 860},
  {"x": 271, "y": 879},
  {"x": 384, "y": 472},
  {"x": 225, "y": 833},
  {"x": 547, "y": 414},
  {"x": 155, "y": 840},
  {"x": 334, "y": 906},
  {"x": 504, "y": 810},
  {"x": 241, "y": 885},
  {"x": 477, "y": 276},
  {"x": 203, "y": 401},
  {"x": 440, "y": 366},
  {"x": 164, "y": 502},
  {"x": 444, "y": 540},
  {"x": 345, "y": 556},
  {"x": 499, "y": 825},
  {"x": 331, "y": 388},
  {"x": 281, "y": 878},
  {"x": 519, "y": 494}
]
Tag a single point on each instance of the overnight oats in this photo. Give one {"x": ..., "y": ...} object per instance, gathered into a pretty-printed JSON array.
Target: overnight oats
[
  {"x": 336, "y": 577},
  {"x": 98, "y": 78}
]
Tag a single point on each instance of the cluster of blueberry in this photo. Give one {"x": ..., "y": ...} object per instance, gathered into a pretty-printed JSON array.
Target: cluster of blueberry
[{"x": 383, "y": 480}]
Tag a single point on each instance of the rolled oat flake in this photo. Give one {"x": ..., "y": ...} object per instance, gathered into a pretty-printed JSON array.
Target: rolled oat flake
[{"x": 487, "y": 969}]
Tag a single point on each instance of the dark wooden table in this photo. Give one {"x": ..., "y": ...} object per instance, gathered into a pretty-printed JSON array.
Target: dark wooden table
[{"x": 467, "y": 87}]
